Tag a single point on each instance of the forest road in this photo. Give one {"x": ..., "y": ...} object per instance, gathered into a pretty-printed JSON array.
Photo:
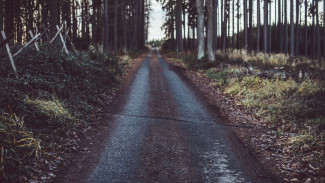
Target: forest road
[{"x": 163, "y": 132}]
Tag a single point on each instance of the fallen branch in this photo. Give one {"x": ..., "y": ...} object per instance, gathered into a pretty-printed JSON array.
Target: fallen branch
[
  {"x": 6, "y": 40},
  {"x": 56, "y": 35}
]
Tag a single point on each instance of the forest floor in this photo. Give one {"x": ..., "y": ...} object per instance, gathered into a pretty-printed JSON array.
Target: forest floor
[{"x": 281, "y": 149}]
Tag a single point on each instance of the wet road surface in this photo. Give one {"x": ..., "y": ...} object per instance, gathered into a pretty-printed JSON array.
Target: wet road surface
[{"x": 164, "y": 133}]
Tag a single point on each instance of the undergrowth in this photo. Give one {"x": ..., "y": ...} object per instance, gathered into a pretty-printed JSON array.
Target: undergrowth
[
  {"x": 55, "y": 92},
  {"x": 290, "y": 104}
]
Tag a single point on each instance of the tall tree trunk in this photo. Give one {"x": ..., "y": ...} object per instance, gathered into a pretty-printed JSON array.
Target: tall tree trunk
[
  {"x": 184, "y": 28},
  {"x": 215, "y": 25},
  {"x": 1, "y": 16},
  {"x": 74, "y": 21},
  {"x": 318, "y": 33},
  {"x": 292, "y": 31},
  {"x": 306, "y": 28},
  {"x": 136, "y": 26},
  {"x": 245, "y": 25},
  {"x": 87, "y": 17},
  {"x": 297, "y": 28},
  {"x": 178, "y": 17},
  {"x": 115, "y": 26},
  {"x": 200, "y": 28},
  {"x": 269, "y": 36},
  {"x": 210, "y": 31},
  {"x": 94, "y": 23},
  {"x": 250, "y": 33},
  {"x": 238, "y": 25},
  {"x": 222, "y": 22},
  {"x": 280, "y": 33},
  {"x": 106, "y": 27},
  {"x": 54, "y": 16},
  {"x": 225, "y": 23},
  {"x": 286, "y": 27},
  {"x": 314, "y": 32},
  {"x": 265, "y": 24},
  {"x": 233, "y": 24},
  {"x": 258, "y": 27},
  {"x": 125, "y": 24},
  {"x": 141, "y": 25},
  {"x": 324, "y": 27}
]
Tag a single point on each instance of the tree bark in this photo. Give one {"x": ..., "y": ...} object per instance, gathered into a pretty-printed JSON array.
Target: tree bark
[
  {"x": 286, "y": 27},
  {"x": 324, "y": 27},
  {"x": 106, "y": 27},
  {"x": 292, "y": 31},
  {"x": 258, "y": 27},
  {"x": 200, "y": 28},
  {"x": 250, "y": 32},
  {"x": 245, "y": 25},
  {"x": 280, "y": 34},
  {"x": 136, "y": 26},
  {"x": 297, "y": 28},
  {"x": 115, "y": 26},
  {"x": 215, "y": 25},
  {"x": 225, "y": 22},
  {"x": 1, "y": 16},
  {"x": 318, "y": 33},
  {"x": 233, "y": 24},
  {"x": 178, "y": 17},
  {"x": 54, "y": 16},
  {"x": 306, "y": 28},
  {"x": 210, "y": 31},
  {"x": 314, "y": 32},
  {"x": 265, "y": 24}
]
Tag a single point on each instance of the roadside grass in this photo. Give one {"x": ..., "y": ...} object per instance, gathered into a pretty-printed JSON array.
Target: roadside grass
[
  {"x": 55, "y": 94},
  {"x": 291, "y": 104}
]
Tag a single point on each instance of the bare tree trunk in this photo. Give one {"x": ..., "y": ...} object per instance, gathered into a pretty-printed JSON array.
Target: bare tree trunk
[
  {"x": 125, "y": 24},
  {"x": 106, "y": 27},
  {"x": 269, "y": 36},
  {"x": 215, "y": 25},
  {"x": 245, "y": 25},
  {"x": 280, "y": 34},
  {"x": 324, "y": 27},
  {"x": 74, "y": 21},
  {"x": 210, "y": 31},
  {"x": 115, "y": 26},
  {"x": 184, "y": 28},
  {"x": 200, "y": 28},
  {"x": 233, "y": 24},
  {"x": 314, "y": 32},
  {"x": 179, "y": 37},
  {"x": 238, "y": 25},
  {"x": 1, "y": 16},
  {"x": 318, "y": 33},
  {"x": 225, "y": 23},
  {"x": 297, "y": 27},
  {"x": 250, "y": 32},
  {"x": 292, "y": 31},
  {"x": 265, "y": 24},
  {"x": 306, "y": 28},
  {"x": 258, "y": 27},
  {"x": 286, "y": 27},
  {"x": 136, "y": 26},
  {"x": 54, "y": 16}
]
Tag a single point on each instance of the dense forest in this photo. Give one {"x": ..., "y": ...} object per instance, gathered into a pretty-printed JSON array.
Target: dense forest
[{"x": 112, "y": 24}]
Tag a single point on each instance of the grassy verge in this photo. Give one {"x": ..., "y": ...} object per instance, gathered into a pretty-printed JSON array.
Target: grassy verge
[
  {"x": 288, "y": 94},
  {"x": 55, "y": 94}
]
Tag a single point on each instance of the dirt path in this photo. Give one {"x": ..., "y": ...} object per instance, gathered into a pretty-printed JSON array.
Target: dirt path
[{"x": 163, "y": 132}]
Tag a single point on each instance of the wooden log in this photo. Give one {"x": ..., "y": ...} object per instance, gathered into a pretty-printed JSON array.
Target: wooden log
[
  {"x": 62, "y": 39},
  {"x": 35, "y": 43},
  {"x": 10, "y": 55},
  {"x": 26, "y": 45},
  {"x": 56, "y": 35}
]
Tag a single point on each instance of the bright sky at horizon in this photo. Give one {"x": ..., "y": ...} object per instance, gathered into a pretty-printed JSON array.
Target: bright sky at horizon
[{"x": 157, "y": 18}]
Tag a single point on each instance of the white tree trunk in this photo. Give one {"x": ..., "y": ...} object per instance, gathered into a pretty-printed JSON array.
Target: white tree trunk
[
  {"x": 200, "y": 29},
  {"x": 210, "y": 31}
]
